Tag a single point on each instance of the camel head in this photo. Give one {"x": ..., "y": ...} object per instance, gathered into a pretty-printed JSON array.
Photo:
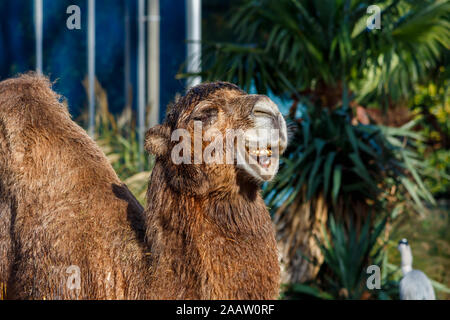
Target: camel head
[{"x": 217, "y": 135}]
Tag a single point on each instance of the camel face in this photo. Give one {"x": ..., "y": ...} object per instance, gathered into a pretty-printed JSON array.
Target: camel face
[
  {"x": 264, "y": 140},
  {"x": 219, "y": 134}
]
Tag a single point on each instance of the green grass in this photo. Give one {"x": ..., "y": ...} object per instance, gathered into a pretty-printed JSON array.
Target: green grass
[{"x": 429, "y": 238}]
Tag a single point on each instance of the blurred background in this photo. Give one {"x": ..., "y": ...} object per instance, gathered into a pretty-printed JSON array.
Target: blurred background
[{"x": 364, "y": 92}]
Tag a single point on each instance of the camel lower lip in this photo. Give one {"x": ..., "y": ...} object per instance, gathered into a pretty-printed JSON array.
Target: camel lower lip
[
  {"x": 263, "y": 156},
  {"x": 263, "y": 161}
]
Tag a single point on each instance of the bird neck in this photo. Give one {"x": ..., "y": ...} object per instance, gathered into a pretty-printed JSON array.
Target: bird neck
[
  {"x": 407, "y": 259},
  {"x": 406, "y": 269}
]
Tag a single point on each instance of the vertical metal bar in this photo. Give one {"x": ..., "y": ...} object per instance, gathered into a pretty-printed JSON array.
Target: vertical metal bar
[
  {"x": 153, "y": 19},
  {"x": 194, "y": 38},
  {"x": 141, "y": 76},
  {"x": 91, "y": 65},
  {"x": 38, "y": 21},
  {"x": 127, "y": 84}
]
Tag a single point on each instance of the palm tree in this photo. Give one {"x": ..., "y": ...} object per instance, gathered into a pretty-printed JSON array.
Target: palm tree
[
  {"x": 351, "y": 171},
  {"x": 324, "y": 50},
  {"x": 321, "y": 53}
]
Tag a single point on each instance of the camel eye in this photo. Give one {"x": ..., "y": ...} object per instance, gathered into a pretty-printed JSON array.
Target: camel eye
[
  {"x": 206, "y": 116},
  {"x": 262, "y": 114}
]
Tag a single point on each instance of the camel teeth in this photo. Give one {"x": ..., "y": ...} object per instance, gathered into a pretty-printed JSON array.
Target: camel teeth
[{"x": 262, "y": 152}]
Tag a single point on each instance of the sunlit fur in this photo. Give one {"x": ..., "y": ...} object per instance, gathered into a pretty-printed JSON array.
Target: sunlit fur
[
  {"x": 209, "y": 227},
  {"x": 61, "y": 204},
  {"x": 206, "y": 232}
]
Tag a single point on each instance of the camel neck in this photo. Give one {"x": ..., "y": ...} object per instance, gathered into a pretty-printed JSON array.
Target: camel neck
[
  {"x": 233, "y": 215},
  {"x": 209, "y": 241}
]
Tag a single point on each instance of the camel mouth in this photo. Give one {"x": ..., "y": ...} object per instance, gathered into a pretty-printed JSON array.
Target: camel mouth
[
  {"x": 263, "y": 156},
  {"x": 261, "y": 162},
  {"x": 264, "y": 143}
]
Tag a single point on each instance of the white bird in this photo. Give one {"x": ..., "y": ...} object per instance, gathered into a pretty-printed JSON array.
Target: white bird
[{"x": 414, "y": 285}]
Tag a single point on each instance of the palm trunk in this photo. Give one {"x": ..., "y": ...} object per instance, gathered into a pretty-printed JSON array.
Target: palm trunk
[{"x": 298, "y": 226}]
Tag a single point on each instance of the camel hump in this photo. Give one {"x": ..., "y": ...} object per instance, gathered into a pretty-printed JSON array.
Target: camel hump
[
  {"x": 31, "y": 93},
  {"x": 27, "y": 83},
  {"x": 28, "y": 87}
]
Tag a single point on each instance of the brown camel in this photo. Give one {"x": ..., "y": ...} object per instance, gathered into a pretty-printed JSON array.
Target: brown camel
[
  {"x": 64, "y": 214},
  {"x": 209, "y": 227},
  {"x": 70, "y": 229}
]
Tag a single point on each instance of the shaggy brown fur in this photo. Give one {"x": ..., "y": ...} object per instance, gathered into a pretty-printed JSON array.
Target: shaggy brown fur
[
  {"x": 61, "y": 204},
  {"x": 212, "y": 236}
]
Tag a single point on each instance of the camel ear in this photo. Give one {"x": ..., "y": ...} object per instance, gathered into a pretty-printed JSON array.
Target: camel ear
[{"x": 157, "y": 140}]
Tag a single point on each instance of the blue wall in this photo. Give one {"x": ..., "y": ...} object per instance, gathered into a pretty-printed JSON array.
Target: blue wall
[
  {"x": 65, "y": 51},
  {"x": 173, "y": 48}
]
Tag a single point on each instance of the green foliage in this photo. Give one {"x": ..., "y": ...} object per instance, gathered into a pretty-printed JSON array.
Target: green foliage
[
  {"x": 438, "y": 172},
  {"x": 347, "y": 254},
  {"x": 372, "y": 164},
  {"x": 289, "y": 46},
  {"x": 117, "y": 137},
  {"x": 431, "y": 107},
  {"x": 120, "y": 143},
  {"x": 430, "y": 243}
]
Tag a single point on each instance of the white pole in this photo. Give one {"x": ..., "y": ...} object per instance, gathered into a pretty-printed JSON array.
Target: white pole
[
  {"x": 127, "y": 84},
  {"x": 153, "y": 19},
  {"x": 141, "y": 75},
  {"x": 91, "y": 65},
  {"x": 38, "y": 20},
  {"x": 194, "y": 38}
]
